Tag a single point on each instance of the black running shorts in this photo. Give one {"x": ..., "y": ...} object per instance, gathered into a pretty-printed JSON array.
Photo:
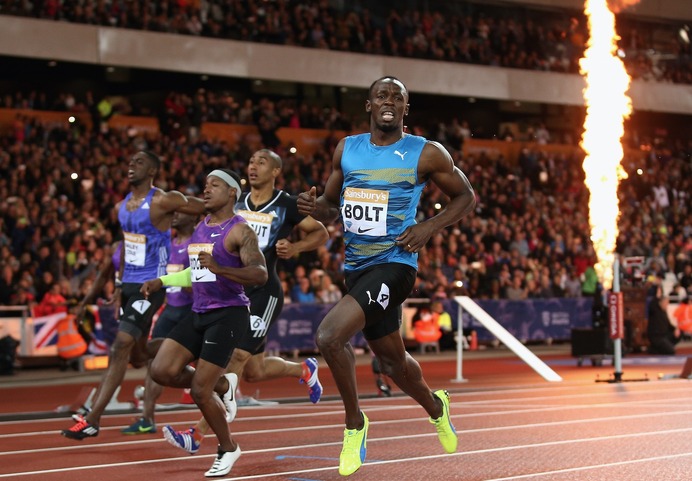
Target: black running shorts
[
  {"x": 137, "y": 310},
  {"x": 214, "y": 334},
  {"x": 169, "y": 318},
  {"x": 265, "y": 306},
  {"x": 380, "y": 290}
]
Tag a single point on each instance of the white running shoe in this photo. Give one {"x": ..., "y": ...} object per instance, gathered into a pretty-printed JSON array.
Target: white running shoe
[
  {"x": 229, "y": 398},
  {"x": 223, "y": 463}
]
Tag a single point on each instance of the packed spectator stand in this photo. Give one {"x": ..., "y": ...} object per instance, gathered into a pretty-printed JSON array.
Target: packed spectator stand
[
  {"x": 530, "y": 230},
  {"x": 528, "y": 239},
  {"x": 483, "y": 33}
]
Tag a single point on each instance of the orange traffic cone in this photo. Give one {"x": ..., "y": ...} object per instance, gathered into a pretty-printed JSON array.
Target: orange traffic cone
[{"x": 473, "y": 344}]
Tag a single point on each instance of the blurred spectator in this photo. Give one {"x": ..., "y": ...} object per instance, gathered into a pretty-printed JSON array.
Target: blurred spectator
[
  {"x": 52, "y": 302},
  {"x": 683, "y": 317},
  {"x": 302, "y": 292},
  {"x": 327, "y": 292},
  {"x": 662, "y": 333},
  {"x": 444, "y": 323}
]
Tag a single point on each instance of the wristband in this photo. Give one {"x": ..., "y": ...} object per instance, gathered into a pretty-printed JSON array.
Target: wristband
[
  {"x": 118, "y": 283},
  {"x": 178, "y": 279}
]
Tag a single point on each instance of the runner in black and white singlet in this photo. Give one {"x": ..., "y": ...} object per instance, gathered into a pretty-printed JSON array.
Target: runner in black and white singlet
[{"x": 273, "y": 214}]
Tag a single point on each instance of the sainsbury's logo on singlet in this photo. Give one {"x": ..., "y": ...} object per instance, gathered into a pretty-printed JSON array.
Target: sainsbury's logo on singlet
[
  {"x": 199, "y": 273},
  {"x": 261, "y": 223},
  {"x": 135, "y": 249},
  {"x": 365, "y": 211}
]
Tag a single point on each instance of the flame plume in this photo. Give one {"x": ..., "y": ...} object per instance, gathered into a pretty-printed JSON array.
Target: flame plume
[{"x": 607, "y": 105}]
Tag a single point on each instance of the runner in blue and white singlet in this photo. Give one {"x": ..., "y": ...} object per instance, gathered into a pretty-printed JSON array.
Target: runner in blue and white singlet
[
  {"x": 146, "y": 247},
  {"x": 145, "y": 217},
  {"x": 379, "y": 199},
  {"x": 145, "y": 255},
  {"x": 375, "y": 185}
]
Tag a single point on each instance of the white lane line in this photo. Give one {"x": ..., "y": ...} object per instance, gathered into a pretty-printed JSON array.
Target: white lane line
[
  {"x": 676, "y": 411},
  {"x": 393, "y": 461}
]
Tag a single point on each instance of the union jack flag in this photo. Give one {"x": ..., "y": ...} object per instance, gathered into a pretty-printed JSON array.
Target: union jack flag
[{"x": 46, "y": 329}]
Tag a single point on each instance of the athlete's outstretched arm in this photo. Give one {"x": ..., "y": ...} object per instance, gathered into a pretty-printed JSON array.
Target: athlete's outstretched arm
[{"x": 325, "y": 208}]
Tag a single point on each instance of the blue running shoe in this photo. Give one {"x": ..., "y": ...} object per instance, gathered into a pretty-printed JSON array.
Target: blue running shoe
[
  {"x": 141, "y": 426},
  {"x": 312, "y": 380},
  {"x": 184, "y": 440}
]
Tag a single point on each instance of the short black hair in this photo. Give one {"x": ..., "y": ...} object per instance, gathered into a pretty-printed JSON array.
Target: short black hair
[
  {"x": 386, "y": 77},
  {"x": 276, "y": 158},
  {"x": 153, "y": 158}
]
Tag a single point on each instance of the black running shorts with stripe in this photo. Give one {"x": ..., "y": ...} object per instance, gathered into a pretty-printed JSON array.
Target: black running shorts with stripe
[{"x": 266, "y": 303}]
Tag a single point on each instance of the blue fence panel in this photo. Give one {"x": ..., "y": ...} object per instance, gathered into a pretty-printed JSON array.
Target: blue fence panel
[
  {"x": 530, "y": 320},
  {"x": 296, "y": 327},
  {"x": 533, "y": 319}
]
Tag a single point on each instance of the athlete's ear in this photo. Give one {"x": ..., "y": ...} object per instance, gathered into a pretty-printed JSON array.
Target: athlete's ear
[
  {"x": 406, "y": 109},
  {"x": 368, "y": 107}
]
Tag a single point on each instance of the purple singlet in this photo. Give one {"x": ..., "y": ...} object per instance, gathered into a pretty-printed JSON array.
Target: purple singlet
[{"x": 209, "y": 290}]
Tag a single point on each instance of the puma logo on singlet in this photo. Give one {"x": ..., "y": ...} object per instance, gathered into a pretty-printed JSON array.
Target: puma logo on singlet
[{"x": 396, "y": 152}]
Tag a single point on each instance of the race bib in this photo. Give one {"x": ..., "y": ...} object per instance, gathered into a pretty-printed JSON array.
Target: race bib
[
  {"x": 258, "y": 326},
  {"x": 365, "y": 211},
  {"x": 261, "y": 224},
  {"x": 199, "y": 273},
  {"x": 135, "y": 249}
]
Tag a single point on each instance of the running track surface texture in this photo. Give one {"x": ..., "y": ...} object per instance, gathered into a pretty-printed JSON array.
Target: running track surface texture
[{"x": 512, "y": 425}]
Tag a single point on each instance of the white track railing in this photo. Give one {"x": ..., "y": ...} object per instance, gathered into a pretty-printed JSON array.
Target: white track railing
[{"x": 503, "y": 336}]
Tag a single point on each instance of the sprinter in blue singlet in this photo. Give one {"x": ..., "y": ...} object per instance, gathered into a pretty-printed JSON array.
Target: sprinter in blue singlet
[
  {"x": 145, "y": 217},
  {"x": 374, "y": 186}
]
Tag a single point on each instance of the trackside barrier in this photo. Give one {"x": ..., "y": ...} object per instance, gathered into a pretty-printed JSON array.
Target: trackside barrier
[{"x": 503, "y": 336}]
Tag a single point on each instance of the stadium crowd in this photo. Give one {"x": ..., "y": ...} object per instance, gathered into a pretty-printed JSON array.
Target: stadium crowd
[
  {"x": 510, "y": 36},
  {"x": 528, "y": 238}
]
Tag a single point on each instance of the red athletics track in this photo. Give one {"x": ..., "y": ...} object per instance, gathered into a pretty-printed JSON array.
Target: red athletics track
[{"x": 512, "y": 425}]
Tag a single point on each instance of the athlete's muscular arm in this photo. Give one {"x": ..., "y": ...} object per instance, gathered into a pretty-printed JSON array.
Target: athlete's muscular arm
[
  {"x": 316, "y": 235},
  {"x": 325, "y": 208},
  {"x": 174, "y": 201},
  {"x": 241, "y": 239},
  {"x": 437, "y": 165}
]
